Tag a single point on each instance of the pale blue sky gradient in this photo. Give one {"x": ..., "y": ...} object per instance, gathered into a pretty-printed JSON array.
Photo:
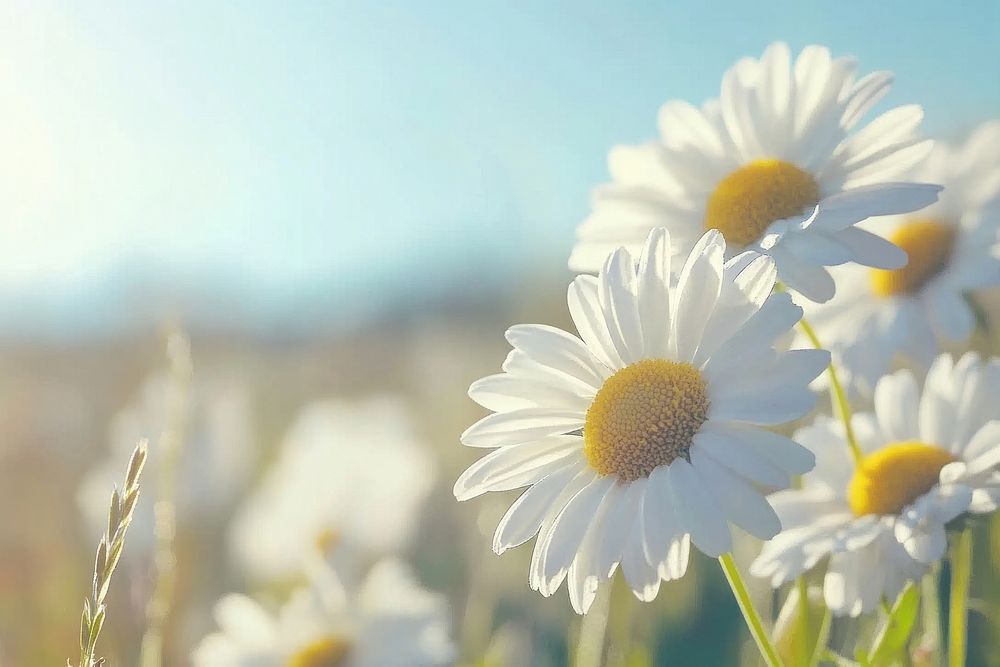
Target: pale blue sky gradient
[{"x": 274, "y": 155}]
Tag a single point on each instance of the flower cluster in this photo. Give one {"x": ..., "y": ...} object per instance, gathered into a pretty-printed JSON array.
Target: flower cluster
[{"x": 650, "y": 428}]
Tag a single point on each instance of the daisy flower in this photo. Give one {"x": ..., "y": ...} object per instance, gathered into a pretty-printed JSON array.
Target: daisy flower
[
  {"x": 774, "y": 165},
  {"x": 346, "y": 473},
  {"x": 927, "y": 458},
  {"x": 953, "y": 248},
  {"x": 641, "y": 435},
  {"x": 389, "y": 621}
]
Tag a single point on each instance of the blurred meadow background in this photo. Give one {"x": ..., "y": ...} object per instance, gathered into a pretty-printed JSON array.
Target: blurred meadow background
[{"x": 341, "y": 206}]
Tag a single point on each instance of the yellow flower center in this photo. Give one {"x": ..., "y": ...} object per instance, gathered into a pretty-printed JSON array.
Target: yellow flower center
[
  {"x": 747, "y": 201},
  {"x": 928, "y": 243},
  {"x": 644, "y": 416},
  {"x": 327, "y": 540},
  {"x": 325, "y": 652},
  {"x": 890, "y": 479}
]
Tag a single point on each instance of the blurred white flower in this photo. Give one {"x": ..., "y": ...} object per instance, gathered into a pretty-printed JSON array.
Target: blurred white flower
[
  {"x": 953, "y": 248},
  {"x": 389, "y": 621},
  {"x": 642, "y": 435},
  {"x": 216, "y": 456},
  {"x": 351, "y": 474},
  {"x": 927, "y": 459},
  {"x": 772, "y": 165}
]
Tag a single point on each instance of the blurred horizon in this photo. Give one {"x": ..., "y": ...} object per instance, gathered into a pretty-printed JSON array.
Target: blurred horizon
[{"x": 268, "y": 169}]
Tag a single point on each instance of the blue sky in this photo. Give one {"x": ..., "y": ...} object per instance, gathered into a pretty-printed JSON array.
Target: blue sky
[{"x": 279, "y": 151}]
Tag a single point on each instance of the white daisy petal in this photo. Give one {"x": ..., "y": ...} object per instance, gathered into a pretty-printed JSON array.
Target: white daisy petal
[
  {"x": 767, "y": 400},
  {"x": 698, "y": 511},
  {"x": 618, "y": 293},
  {"x": 697, "y": 289},
  {"x": 588, "y": 316},
  {"x": 516, "y": 466},
  {"x": 727, "y": 450},
  {"x": 619, "y": 526},
  {"x": 520, "y": 426},
  {"x": 896, "y": 402},
  {"x": 571, "y": 525},
  {"x": 984, "y": 443},
  {"x": 642, "y": 577},
  {"x": 504, "y": 392},
  {"x": 584, "y": 574},
  {"x": 662, "y": 526},
  {"x": 739, "y": 500},
  {"x": 867, "y": 92},
  {"x": 557, "y": 349},
  {"x": 524, "y": 518},
  {"x": 654, "y": 294}
]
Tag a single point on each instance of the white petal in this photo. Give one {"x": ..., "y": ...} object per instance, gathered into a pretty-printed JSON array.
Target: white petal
[
  {"x": 571, "y": 525},
  {"x": 619, "y": 526},
  {"x": 867, "y": 92},
  {"x": 536, "y": 578},
  {"x": 897, "y": 406},
  {"x": 520, "y": 426},
  {"x": 654, "y": 294},
  {"x": 584, "y": 574},
  {"x": 774, "y": 319},
  {"x": 808, "y": 279},
  {"x": 937, "y": 415},
  {"x": 872, "y": 250},
  {"x": 742, "y": 504},
  {"x": 588, "y": 316},
  {"x": 728, "y": 450},
  {"x": 516, "y": 466},
  {"x": 618, "y": 293},
  {"x": 660, "y": 515},
  {"x": 525, "y": 516},
  {"x": 985, "y": 443},
  {"x": 849, "y": 207},
  {"x": 697, "y": 291},
  {"x": 777, "y": 395},
  {"x": 559, "y": 350},
  {"x": 698, "y": 511},
  {"x": 950, "y": 315},
  {"x": 642, "y": 577},
  {"x": 505, "y": 392}
]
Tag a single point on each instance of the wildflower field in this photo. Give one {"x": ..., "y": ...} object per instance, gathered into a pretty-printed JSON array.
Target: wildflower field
[{"x": 742, "y": 408}]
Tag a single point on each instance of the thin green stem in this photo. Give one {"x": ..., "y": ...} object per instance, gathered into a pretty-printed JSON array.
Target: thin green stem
[
  {"x": 837, "y": 395},
  {"x": 750, "y": 615},
  {"x": 803, "y": 650},
  {"x": 961, "y": 569},
  {"x": 593, "y": 628},
  {"x": 931, "y": 611},
  {"x": 822, "y": 638}
]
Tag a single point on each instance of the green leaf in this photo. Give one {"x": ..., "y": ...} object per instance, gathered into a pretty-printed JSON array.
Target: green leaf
[{"x": 891, "y": 642}]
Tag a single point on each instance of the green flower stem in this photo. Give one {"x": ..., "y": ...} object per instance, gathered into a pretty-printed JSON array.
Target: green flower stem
[
  {"x": 931, "y": 609},
  {"x": 750, "y": 615},
  {"x": 593, "y": 628},
  {"x": 802, "y": 648},
  {"x": 961, "y": 569},
  {"x": 837, "y": 396},
  {"x": 822, "y": 638}
]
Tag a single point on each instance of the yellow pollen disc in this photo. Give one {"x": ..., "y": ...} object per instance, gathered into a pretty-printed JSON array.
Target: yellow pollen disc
[
  {"x": 888, "y": 480},
  {"x": 757, "y": 194},
  {"x": 644, "y": 416},
  {"x": 928, "y": 243},
  {"x": 325, "y": 652}
]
